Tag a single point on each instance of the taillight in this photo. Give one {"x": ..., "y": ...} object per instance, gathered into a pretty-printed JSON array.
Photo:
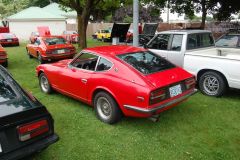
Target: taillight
[
  {"x": 31, "y": 130},
  {"x": 15, "y": 39},
  {"x": 3, "y": 54},
  {"x": 190, "y": 83},
  {"x": 157, "y": 96},
  {"x": 48, "y": 51},
  {"x": 72, "y": 49}
]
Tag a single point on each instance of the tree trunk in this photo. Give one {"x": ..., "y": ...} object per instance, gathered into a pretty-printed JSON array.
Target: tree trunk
[
  {"x": 204, "y": 14},
  {"x": 82, "y": 28}
]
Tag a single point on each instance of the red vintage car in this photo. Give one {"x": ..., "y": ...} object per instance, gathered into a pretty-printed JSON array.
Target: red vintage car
[
  {"x": 3, "y": 57},
  {"x": 8, "y": 39},
  {"x": 119, "y": 80},
  {"x": 71, "y": 36},
  {"x": 49, "y": 48}
]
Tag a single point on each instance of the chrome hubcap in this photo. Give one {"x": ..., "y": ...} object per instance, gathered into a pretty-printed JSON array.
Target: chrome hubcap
[
  {"x": 44, "y": 84},
  {"x": 211, "y": 85},
  {"x": 104, "y": 108}
]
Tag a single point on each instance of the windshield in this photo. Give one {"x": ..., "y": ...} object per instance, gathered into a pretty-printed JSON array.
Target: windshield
[
  {"x": 227, "y": 41},
  {"x": 6, "y": 91},
  {"x": 8, "y": 35},
  {"x": 146, "y": 62},
  {"x": 55, "y": 40}
]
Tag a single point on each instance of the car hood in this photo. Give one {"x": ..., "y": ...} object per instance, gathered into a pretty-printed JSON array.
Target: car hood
[
  {"x": 120, "y": 29},
  {"x": 150, "y": 28},
  {"x": 167, "y": 77}
]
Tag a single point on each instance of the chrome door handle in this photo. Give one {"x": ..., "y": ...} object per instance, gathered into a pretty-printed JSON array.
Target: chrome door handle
[{"x": 84, "y": 80}]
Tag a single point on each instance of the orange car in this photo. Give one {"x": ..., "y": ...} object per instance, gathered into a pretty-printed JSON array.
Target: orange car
[
  {"x": 50, "y": 48},
  {"x": 71, "y": 36},
  {"x": 3, "y": 57}
]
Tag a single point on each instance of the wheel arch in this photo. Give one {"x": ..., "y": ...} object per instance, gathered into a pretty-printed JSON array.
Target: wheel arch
[
  {"x": 97, "y": 90},
  {"x": 202, "y": 71}
]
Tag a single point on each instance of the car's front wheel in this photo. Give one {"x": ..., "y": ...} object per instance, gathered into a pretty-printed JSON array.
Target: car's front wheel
[
  {"x": 212, "y": 84},
  {"x": 106, "y": 108},
  {"x": 44, "y": 83}
]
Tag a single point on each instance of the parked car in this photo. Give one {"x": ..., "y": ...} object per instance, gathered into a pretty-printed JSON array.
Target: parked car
[
  {"x": 119, "y": 80},
  {"x": 7, "y": 39},
  {"x": 195, "y": 51},
  {"x": 229, "y": 43},
  {"x": 49, "y": 48},
  {"x": 26, "y": 127},
  {"x": 71, "y": 36},
  {"x": 33, "y": 37},
  {"x": 104, "y": 35},
  {"x": 3, "y": 57}
]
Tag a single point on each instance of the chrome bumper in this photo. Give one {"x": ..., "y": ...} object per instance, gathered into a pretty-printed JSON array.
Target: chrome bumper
[{"x": 151, "y": 110}]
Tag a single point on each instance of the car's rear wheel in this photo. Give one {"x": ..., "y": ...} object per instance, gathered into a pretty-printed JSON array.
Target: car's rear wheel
[
  {"x": 29, "y": 54},
  {"x": 40, "y": 59},
  {"x": 212, "y": 84},
  {"x": 106, "y": 108},
  {"x": 44, "y": 83},
  {"x": 5, "y": 64}
]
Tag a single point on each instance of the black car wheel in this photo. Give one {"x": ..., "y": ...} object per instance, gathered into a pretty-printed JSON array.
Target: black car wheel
[
  {"x": 106, "y": 108},
  {"x": 212, "y": 84},
  {"x": 44, "y": 83},
  {"x": 5, "y": 64},
  {"x": 29, "y": 54},
  {"x": 40, "y": 59}
]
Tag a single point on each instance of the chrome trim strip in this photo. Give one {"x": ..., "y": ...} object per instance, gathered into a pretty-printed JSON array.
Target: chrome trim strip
[{"x": 138, "y": 109}]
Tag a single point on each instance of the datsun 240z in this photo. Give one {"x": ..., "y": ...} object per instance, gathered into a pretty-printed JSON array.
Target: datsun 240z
[{"x": 119, "y": 80}]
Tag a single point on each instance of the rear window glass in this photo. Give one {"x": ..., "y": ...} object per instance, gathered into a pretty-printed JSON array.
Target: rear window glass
[
  {"x": 8, "y": 35},
  {"x": 55, "y": 40},
  {"x": 228, "y": 41},
  {"x": 146, "y": 62},
  {"x": 6, "y": 91},
  {"x": 200, "y": 40}
]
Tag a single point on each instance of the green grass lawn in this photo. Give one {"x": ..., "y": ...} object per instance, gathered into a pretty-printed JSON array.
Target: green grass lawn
[{"x": 200, "y": 128}]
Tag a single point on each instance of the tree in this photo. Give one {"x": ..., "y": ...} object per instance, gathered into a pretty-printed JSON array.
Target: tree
[{"x": 221, "y": 9}]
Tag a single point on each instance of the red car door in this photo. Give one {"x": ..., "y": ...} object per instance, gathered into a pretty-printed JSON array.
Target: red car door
[{"x": 75, "y": 78}]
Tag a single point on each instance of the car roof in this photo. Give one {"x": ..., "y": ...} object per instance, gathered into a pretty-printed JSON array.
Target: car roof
[
  {"x": 114, "y": 50},
  {"x": 191, "y": 31}
]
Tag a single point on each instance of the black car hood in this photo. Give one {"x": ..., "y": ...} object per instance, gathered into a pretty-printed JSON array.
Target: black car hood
[
  {"x": 150, "y": 28},
  {"x": 120, "y": 29}
]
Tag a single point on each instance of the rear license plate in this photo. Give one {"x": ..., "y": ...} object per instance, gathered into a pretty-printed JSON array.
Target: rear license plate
[
  {"x": 175, "y": 90},
  {"x": 61, "y": 51},
  {"x": 9, "y": 40}
]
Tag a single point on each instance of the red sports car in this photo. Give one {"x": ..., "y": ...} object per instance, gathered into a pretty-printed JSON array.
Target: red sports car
[
  {"x": 3, "y": 57},
  {"x": 71, "y": 36},
  {"x": 49, "y": 48},
  {"x": 8, "y": 39},
  {"x": 119, "y": 80}
]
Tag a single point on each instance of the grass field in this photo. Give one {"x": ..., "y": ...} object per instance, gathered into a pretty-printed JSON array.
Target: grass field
[{"x": 200, "y": 128}]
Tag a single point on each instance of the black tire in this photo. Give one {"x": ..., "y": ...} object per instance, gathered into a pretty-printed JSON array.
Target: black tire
[
  {"x": 5, "y": 64},
  {"x": 106, "y": 108},
  {"x": 45, "y": 84},
  {"x": 29, "y": 55},
  {"x": 212, "y": 84},
  {"x": 41, "y": 61}
]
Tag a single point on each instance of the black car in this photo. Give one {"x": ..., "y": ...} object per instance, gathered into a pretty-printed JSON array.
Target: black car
[{"x": 26, "y": 126}]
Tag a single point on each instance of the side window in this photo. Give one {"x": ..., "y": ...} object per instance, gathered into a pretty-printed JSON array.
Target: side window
[
  {"x": 199, "y": 40},
  {"x": 160, "y": 42},
  {"x": 85, "y": 61},
  {"x": 176, "y": 42},
  {"x": 104, "y": 65},
  {"x": 37, "y": 42}
]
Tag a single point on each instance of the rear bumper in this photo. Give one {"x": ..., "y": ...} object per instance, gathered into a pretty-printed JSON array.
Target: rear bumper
[
  {"x": 58, "y": 57},
  {"x": 30, "y": 149},
  {"x": 162, "y": 106}
]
